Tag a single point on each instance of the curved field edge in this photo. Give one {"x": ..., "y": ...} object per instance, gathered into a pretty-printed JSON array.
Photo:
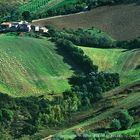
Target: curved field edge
[
  {"x": 115, "y": 20},
  {"x": 30, "y": 66},
  {"x": 117, "y": 60}
]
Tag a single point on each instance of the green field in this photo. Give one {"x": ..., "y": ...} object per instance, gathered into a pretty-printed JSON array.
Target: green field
[
  {"x": 117, "y": 60},
  {"x": 31, "y": 66},
  {"x": 40, "y": 5}
]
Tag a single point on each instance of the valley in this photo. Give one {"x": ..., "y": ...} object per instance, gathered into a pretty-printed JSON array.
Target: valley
[
  {"x": 122, "y": 61},
  {"x": 31, "y": 66},
  {"x": 71, "y": 71}
]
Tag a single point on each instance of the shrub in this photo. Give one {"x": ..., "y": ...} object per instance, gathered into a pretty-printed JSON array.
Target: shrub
[
  {"x": 115, "y": 125},
  {"x": 7, "y": 114},
  {"x": 125, "y": 119}
]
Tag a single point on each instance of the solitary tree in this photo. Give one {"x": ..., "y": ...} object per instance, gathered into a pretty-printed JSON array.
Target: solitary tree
[{"x": 26, "y": 15}]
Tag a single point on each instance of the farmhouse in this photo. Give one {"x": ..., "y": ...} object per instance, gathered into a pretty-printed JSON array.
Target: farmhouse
[
  {"x": 6, "y": 25},
  {"x": 22, "y": 26}
]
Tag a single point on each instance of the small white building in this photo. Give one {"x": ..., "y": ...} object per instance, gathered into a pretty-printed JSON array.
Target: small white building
[
  {"x": 44, "y": 30},
  {"x": 6, "y": 24},
  {"x": 37, "y": 28}
]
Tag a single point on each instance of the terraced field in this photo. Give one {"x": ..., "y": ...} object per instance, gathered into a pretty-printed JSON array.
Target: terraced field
[
  {"x": 117, "y": 60},
  {"x": 31, "y": 66},
  {"x": 121, "y": 21}
]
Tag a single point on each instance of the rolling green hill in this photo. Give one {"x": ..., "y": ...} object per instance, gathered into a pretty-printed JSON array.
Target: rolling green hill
[
  {"x": 29, "y": 65},
  {"x": 117, "y": 60}
]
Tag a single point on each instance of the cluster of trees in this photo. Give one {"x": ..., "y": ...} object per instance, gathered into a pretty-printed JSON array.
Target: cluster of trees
[
  {"x": 83, "y": 61},
  {"x": 90, "y": 87},
  {"x": 26, "y": 115},
  {"x": 6, "y": 9},
  {"x": 130, "y": 44},
  {"x": 89, "y": 37},
  {"x": 93, "y": 37}
]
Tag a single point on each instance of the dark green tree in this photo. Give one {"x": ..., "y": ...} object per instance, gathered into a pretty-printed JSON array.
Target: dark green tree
[
  {"x": 26, "y": 15},
  {"x": 115, "y": 125},
  {"x": 126, "y": 119}
]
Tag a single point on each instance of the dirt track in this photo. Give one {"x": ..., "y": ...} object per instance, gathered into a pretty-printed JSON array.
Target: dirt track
[{"x": 121, "y": 22}]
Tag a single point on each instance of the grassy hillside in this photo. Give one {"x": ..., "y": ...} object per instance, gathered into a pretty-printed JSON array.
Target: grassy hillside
[
  {"x": 115, "y": 20},
  {"x": 117, "y": 60},
  {"x": 104, "y": 111},
  {"x": 31, "y": 66},
  {"x": 40, "y": 5}
]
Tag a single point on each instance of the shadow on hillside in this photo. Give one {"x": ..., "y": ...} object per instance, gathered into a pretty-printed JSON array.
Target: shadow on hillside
[{"x": 68, "y": 60}]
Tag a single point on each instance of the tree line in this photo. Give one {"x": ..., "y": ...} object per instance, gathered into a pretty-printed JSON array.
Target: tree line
[
  {"x": 77, "y": 55},
  {"x": 79, "y": 6},
  {"x": 8, "y": 12},
  {"x": 93, "y": 37}
]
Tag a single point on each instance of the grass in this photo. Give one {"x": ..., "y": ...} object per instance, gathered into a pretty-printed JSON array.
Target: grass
[
  {"x": 30, "y": 66},
  {"x": 33, "y": 66},
  {"x": 117, "y": 60},
  {"x": 64, "y": 2},
  {"x": 38, "y": 6},
  {"x": 114, "y": 20},
  {"x": 100, "y": 117}
]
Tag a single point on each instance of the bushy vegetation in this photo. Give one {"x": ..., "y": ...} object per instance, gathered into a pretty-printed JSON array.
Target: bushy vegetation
[
  {"x": 26, "y": 115},
  {"x": 130, "y": 44},
  {"x": 6, "y": 8},
  {"x": 124, "y": 121},
  {"x": 115, "y": 125},
  {"x": 75, "y": 6},
  {"x": 91, "y": 86},
  {"x": 91, "y": 37},
  {"x": 77, "y": 55},
  {"x": 94, "y": 38},
  {"x": 45, "y": 8},
  {"x": 33, "y": 5}
]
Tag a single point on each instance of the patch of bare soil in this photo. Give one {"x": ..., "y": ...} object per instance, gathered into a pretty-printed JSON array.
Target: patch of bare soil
[{"x": 122, "y": 22}]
